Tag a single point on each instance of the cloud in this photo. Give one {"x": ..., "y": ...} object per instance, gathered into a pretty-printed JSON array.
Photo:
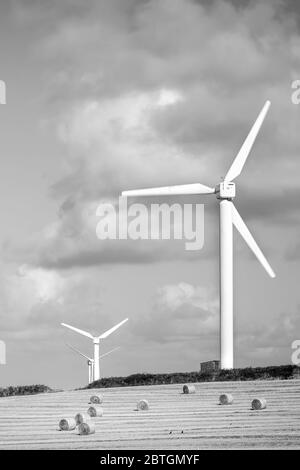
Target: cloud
[
  {"x": 25, "y": 292},
  {"x": 154, "y": 93},
  {"x": 42, "y": 285},
  {"x": 272, "y": 344},
  {"x": 293, "y": 252},
  {"x": 32, "y": 297},
  {"x": 188, "y": 316},
  {"x": 112, "y": 143},
  {"x": 72, "y": 240},
  {"x": 136, "y": 109},
  {"x": 180, "y": 312},
  {"x": 174, "y": 297}
]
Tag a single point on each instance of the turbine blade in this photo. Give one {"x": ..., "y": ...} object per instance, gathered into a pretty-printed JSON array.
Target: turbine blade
[
  {"x": 107, "y": 353},
  {"x": 244, "y": 231},
  {"x": 114, "y": 328},
  {"x": 81, "y": 332},
  {"x": 181, "y": 189},
  {"x": 79, "y": 352},
  {"x": 241, "y": 157}
]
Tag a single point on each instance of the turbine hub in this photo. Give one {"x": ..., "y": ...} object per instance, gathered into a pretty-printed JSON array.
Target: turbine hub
[{"x": 225, "y": 190}]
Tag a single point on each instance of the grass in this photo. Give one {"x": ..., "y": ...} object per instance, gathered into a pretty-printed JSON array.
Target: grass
[
  {"x": 249, "y": 373},
  {"x": 24, "y": 390}
]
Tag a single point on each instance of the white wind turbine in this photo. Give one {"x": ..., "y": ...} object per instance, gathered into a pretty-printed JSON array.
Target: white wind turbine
[
  {"x": 90, "y": 361},
  {"x": 96, "y": 342},
  {"x": 225, "y": 192}
]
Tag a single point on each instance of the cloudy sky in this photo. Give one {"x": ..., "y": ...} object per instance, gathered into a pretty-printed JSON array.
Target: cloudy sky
[{"x": 105, "y": 96}]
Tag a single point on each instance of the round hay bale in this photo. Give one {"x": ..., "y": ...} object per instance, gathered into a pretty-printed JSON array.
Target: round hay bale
[
  {"x": 94, "y": 411},
  {"x": 83, "y": 429},
  {"x": 259, "y": 404},
  {"x": 80, "y": 418},
  {"x": 67, "y": 424},
  {"x": 96, "y": 399},
  {"x": 187, "y": 389},
  {"x": 226, "y": 399},
  {"x": 142, "y": 405}
]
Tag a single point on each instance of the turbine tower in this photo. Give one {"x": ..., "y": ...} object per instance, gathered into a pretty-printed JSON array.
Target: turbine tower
[
  {"x": 90, "y": 361},
  {"x": 229, "y": 216},
  {"x": 96, "y": 342}
]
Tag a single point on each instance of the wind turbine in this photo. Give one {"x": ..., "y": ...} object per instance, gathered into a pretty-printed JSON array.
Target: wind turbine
[
  {"x": 229, "y": 216},
  {"x": 96, "y": 342},
  {"x": 90, "y": 361}
]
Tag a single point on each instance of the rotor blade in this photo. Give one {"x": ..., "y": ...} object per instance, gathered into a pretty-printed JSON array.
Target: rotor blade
[
  {"x": 107, "y": 353},
  {"x": 114, "y": 328},
  {"x": 81, "y": 332},
  {"x": 244, "y": 231},
  {"x": 79, "y": 352},
  {"x": 241, "y": 157},
  {"x": 181, "y": 189}
]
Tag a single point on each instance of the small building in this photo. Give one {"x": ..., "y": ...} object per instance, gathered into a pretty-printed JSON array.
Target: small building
[{"x": 209, "y": 366}]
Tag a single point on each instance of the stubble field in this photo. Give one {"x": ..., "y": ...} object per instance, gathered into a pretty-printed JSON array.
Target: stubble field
[{"x": 174, "y": 421}]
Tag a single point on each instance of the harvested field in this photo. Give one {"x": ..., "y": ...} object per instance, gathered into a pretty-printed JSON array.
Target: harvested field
[{"x": 174, "y": 420}]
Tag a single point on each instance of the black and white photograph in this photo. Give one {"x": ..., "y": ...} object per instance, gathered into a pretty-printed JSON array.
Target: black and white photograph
[{"x": 150, "y": 228}]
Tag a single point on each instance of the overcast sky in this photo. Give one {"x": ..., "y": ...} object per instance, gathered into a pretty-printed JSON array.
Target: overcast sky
[{"x": 105, "y": 96}]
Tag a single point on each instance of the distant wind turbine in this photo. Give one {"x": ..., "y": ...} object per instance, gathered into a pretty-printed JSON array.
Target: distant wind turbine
[
  {"x": 90, "y": 361},
  {"x": 96, "y": 342},
  {"x": 229, "y": 216}
]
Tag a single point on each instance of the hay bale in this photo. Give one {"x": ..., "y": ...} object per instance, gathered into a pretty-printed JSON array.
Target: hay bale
[
  {"x": 142, "y": 405},
  {"x": 96, "y": 399},
  {"x": 187, "y": 389},
  {"x": 226, "y": 399},
  {"x": 67, "y": 424},
  {"x": 80, "y": 418},
  {"x": 259, "y": 404},
  {"x": 94, "y": 411},
  {"x": 85, "y": 428}
]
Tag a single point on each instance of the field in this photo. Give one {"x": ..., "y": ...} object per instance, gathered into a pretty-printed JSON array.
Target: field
[{"x": 174, "y": 421}]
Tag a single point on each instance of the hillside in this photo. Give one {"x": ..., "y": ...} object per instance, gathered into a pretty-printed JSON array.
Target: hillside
[
  {"x": 174, "y": 420},
  {"x": 258, "y": 373},
  {"x": 24, "y": 390}
]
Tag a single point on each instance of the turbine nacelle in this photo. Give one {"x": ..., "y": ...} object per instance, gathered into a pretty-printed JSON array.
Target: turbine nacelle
[{"x": 225, "y": 190}]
